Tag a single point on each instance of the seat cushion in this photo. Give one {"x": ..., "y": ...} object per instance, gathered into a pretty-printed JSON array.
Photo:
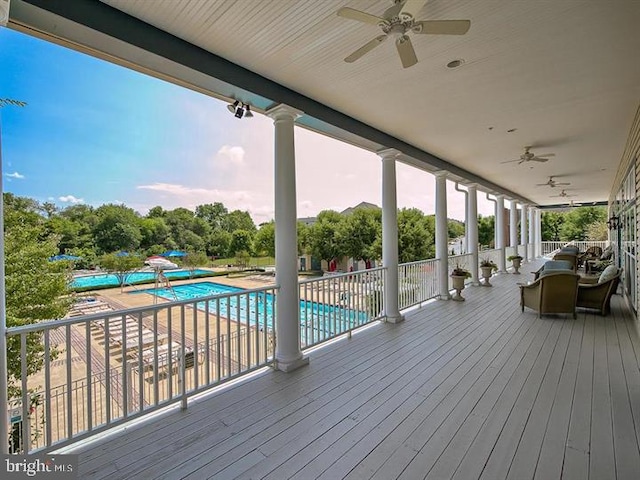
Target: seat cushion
[
  {"x": 606, "y": 254},
  {"x": 607, "y": 274}
]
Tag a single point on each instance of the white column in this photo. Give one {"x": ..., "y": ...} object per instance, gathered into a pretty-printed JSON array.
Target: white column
[
  {"x": 538, "y": 232},
  {"x": 4, "y": 367},
  {"x": 513, "y": 226},
  {"x": 442, "y": 235},
  {"x": 390, "y": 235},
  {"x": 500, "y": 230},
  {"x": 532, "y": 233},
  {"x": 465, "y": 245},
  {"x": 288, "y": 355},
  {"x": 524, "y": 231},
  {"x": 472, "y": 208},
  {"x": 495, "y": 219}
]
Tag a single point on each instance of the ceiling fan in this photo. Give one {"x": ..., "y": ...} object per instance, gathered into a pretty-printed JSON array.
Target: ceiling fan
[
  {"x": 552, "y": 183},
  {"x": 562, "y": 194},
  {"x": 397, "y": 21},
  {"x": 527, "y": 156}
]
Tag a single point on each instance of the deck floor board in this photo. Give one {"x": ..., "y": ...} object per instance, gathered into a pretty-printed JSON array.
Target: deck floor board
[{"x": 468, "y": 390}]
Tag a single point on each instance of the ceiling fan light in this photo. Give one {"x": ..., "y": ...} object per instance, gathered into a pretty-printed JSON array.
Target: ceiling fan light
[
  {"x": 247, "y": 113},
  {"x": 239, "y": 112}
]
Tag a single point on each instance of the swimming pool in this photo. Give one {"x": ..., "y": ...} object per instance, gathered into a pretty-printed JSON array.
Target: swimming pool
[
  {"x": 105, "y": 279},
  {"x": 316, "y": 319}
]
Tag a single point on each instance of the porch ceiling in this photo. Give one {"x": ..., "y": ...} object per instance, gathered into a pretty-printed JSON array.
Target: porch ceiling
[{"x": 565, "y": 75}]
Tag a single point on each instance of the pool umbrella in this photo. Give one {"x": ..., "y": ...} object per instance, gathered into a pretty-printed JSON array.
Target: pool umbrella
[
  {"x": 173, "y": 253},
  {"x": 63, "y": 257}
]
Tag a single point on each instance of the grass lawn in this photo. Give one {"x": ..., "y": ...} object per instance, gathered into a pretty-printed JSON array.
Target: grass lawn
[{"x": 257, "y": 261}]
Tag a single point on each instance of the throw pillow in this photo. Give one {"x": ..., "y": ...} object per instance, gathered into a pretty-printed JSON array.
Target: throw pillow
[{"x": 608, "y": 273}]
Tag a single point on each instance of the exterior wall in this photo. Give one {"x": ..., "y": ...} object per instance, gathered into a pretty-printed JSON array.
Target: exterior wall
[{"x": 630, "y": 158}]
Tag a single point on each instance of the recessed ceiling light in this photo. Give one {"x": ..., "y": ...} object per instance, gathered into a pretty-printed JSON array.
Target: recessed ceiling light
[
  {"x": 511, "y": 130},
  {"x": 455, "y": 63}
]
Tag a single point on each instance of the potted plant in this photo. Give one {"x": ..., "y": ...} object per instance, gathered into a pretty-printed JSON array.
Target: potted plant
[
  {"x": 516, "y": 260},
  {"x": 458, "y": 276},
  {"x": 487, "y": 266}
]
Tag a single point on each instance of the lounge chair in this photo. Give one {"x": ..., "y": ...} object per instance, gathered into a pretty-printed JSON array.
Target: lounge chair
[
  {"x": 555, "y": 291},
  {"x": 596, "y": 293}
]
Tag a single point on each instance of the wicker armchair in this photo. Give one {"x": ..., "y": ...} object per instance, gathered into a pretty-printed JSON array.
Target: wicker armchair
[
  {"x": 568, "y": 257},
  {"x": 552, "y": 292},
  {"x": 598, "y": 295}
]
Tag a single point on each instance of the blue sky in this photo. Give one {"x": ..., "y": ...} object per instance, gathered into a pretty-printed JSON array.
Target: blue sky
[{"x": 97, "y": 133}]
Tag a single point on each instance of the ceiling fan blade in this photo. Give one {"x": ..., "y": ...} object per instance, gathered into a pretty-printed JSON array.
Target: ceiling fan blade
[
  {"x": 538, "y": 159},
  {"x": 565, "y": 183},
  {"x": 406, "y": 52},
  {"x": 366, "y": 48},
  {"x": 547, "y": 155},
  {"x": 511, "y": 161},
  {"x": 352, "y": 14},
  {"x": 443, "y": 27},
  {"x": 411, "y": 8}
]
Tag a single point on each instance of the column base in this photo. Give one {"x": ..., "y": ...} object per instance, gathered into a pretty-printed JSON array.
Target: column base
[
  {"x": 444, "y": 297},
  {"x": 394, "y": 318},
  {"x": 292, "y": 365}
]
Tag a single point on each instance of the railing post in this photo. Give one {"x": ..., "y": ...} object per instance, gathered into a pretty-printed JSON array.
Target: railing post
[{"x": 4, "y": 372}]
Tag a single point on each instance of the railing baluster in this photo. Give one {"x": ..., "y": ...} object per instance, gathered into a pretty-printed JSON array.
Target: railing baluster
[
  {"x": 47, "y": 387},
  {"x": 26, "y": 436}
]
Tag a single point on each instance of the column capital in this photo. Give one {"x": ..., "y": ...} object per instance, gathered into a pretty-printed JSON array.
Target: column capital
[
  {"x": 283, "y": 111},
  {"x": 387, "y": 153},
  {"x": 440, "y": 173},
  {"x": 501, "y": 196},
  {"x": 472, "y": 186}
]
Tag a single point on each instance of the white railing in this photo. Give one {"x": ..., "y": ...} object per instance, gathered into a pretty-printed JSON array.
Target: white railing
[
  {"x": 110, "y": 366},
  {"x": 550, "y": 247},
  {"x": 417, "y": 282},
  {"x": 338, "y": 303}
]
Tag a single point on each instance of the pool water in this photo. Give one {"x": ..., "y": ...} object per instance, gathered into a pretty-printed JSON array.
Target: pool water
[
  {"x": 105, "y": 279},
  {"x": 324, "y": 320}
]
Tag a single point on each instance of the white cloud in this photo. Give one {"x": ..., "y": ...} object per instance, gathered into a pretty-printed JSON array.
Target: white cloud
[
  {"x": 70, "y": 199},
  {"x": 14, "y": 175},
  {"x": 235, "y": 155}
]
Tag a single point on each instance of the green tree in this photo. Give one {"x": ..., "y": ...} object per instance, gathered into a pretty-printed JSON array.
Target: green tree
[
  {"x": 455, "y": 228},
  {"x": 238, "y": 220},
  {"x": 218, "y": 243},
  {"x": 120, "y": 266},
  {"x": 551, "y": 226},
  {"x": 35, "y": 287},
  {"x": 117, "y": 228},
  {"x": 324, "y": 240},
  {"x": 415, "y": 236},
  {"x": 154, "y": 231},
  {"x": 212, "y": 213},
  {"x": 241, "y": 240},
  {"x": 195, "y": 260},
  {"x": 577, "y": 222},
  {"x": 360, "y": 232},
  {"x": 486, "y": 230},
  {"x": 264, "y": 242}
]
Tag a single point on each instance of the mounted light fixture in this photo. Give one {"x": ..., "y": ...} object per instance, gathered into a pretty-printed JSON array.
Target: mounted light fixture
[
  {"x": 240, "y": 109},
  {"x": 613, "y": 223},
  {"x": 232, "y": 108}
]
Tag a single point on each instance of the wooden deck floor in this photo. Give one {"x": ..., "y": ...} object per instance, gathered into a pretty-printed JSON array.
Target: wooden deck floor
[{"x": 459, "y": 390}]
